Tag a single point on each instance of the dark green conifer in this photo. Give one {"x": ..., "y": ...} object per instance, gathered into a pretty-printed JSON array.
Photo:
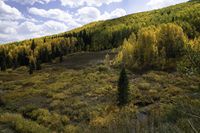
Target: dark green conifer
[
  {"x": 31, "y": 66},
  {"x": 2, "y": 102},
  {"x": 123, "y": 88},
  {"x": 33, "y": 46},
  {"x": 38, "y": 65},
  {"x": 3, "y": 64}
]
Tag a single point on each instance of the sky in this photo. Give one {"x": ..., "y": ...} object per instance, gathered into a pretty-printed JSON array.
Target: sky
[{"x": 25, "y": 19}]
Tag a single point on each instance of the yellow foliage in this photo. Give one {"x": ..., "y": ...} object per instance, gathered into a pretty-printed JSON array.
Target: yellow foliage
[{"x": 22, "y": 125}]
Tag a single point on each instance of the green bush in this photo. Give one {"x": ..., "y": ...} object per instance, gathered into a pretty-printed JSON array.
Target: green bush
[
  {"x": 190, "y": 63},
  {"x": 103, "y": 68},
  {"x": 48, "y": 119},
  {"x": 22, "y": 125}
]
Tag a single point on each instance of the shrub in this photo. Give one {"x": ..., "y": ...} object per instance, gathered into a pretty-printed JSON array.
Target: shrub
[
  {"x": 71, "y": 129},
  {"x": 103, "y": 68},
  {"x": 190, "y": 63},
  {"x": 26, "y": 110},
  {"x": 22, "y": 125},
  {"x": 48, "y": 119}
]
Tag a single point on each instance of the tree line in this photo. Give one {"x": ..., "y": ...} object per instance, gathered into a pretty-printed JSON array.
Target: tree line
[
  {"x": 34, "y": 52},
  {"x": 165, "y": 47}
]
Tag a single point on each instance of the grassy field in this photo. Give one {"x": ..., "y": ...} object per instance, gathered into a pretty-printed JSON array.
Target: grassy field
[{"x": 79, "y": 95}]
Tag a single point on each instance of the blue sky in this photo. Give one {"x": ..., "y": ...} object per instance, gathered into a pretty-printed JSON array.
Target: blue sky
[{"x": 24, "y": 19}]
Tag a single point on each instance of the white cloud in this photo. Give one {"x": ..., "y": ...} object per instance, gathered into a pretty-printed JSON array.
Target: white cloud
[
  {"x": 14, "y": 26},
  {"x": 35, "y": 30},
  {"x": 70, "y": 3},
  {"x": 57, "y": 21},
  {"x": 52, "y": 13},
  {"x": 155, "y": 4},
  {"x": 82, "y": 16},
  {"x": 25, "y": 30},
  {"x": 89, "y": 14},
  {"x": 55, "y": 14},
  {"x": 53, "y": 27},
  {"x": 9, "y": 13},
  {"x": 32, "y": 2},
  {"x": 79, "y": 3},
  {"x": 8, "y": 27},
  {"x": 114, "y": 14},
  {"x": 8, "y": 30}
]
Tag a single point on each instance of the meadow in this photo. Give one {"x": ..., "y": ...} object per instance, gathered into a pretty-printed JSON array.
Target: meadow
[{"x": 60, "y": 98}]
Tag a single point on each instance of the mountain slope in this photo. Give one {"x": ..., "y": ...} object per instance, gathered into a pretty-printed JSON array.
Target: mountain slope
[
  {"x": 187, "y": 12},
  {"x": 99, "y": 35}
]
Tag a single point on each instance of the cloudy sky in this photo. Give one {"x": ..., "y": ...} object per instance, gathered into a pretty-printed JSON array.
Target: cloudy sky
[{"x": 23, "y": 19}]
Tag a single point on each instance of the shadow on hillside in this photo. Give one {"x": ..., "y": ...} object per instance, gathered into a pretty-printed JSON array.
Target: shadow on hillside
[{"x": 84, "y": 59}]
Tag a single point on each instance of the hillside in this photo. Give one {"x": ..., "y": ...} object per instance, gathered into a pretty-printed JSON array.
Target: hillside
[
  {"x": 99, "y": 35},
  {"x": 70, "y": 82}
]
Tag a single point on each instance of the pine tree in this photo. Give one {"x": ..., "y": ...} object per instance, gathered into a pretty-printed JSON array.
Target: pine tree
[
  {"x": 2, "y": 102},
  {"x": 3, "y": 60},
  {"x": 123, "y": 88},
  {"x": 30, "y": 68},
  {"x": 61, "y": 57},
  {"x": 3, "y": 63},
  {"x": 33, "y": 46},
  {"x": 15, "y": 63},
  {"x": 38, "y": 65},
  {"x": 31, "y": 65}
]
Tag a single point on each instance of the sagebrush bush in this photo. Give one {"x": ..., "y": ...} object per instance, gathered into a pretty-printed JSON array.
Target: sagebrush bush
[
  {"x": 22, "y": 125},
  {"x": 52, "y": 120}
]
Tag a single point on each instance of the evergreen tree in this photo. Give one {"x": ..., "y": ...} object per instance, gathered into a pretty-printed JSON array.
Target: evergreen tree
[
  {"x": 123, "y": 88},
  {"x": 61, "y": 57},
  {"x": 15, "y": 63},
  {"x": 3, "y": 60},
  {"x": 3, "y": 65},
  {"x": 38, "y": 65},
  {"x": 31, "y": 65},
  {"x": 2, "y": 102},
  {"x": 53, "y": 51},
  {"x": 30, "y": 68},
  {"x": 33, "y": 46}
]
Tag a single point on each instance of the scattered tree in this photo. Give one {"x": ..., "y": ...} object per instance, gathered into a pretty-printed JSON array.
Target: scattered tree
[
  {"x": 146, "y": 50},
  {"x": 172, "y": 38},
  {"x": 38, "y": 65},
  {"x": 123, "y": 88},
  {"x": 3, "y": 64},
  {"x": 61, "y": 57},
  {"x": 31, "y": 65},
  {"x": 33, "y": 46},
  {"x": 2, "y": 102}
]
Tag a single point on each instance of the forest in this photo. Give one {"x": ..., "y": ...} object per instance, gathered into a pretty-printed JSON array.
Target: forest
[{"x": 137, "y": 73}]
